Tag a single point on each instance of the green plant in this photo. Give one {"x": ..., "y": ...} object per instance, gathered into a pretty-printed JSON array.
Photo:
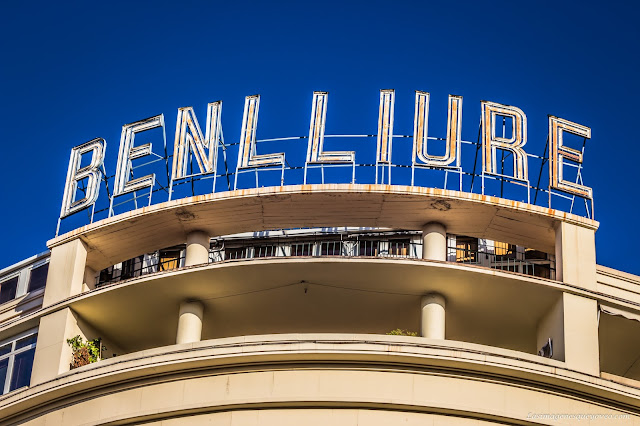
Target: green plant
[
  {"x": 401, "y": 332},
  {"x": 85, "y": 352}
]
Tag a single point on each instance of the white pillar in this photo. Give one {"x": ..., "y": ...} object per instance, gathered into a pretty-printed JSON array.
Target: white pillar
[
  {"x": 197, "y": 248},
  {"x": 190, "y": 322},
  {"x": 434, "y": 241},
  {"x": 432, "y": 321}
]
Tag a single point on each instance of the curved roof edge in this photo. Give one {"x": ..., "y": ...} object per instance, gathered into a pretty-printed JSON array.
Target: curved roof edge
[{"x": 327, "y": 205}]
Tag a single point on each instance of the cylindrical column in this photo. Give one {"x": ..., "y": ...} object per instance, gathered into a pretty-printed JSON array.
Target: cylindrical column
[
  {"x": 190, "y": 322},
  {"x": 197, "y": 248},
  {"x": 432, "y": 321},
  {"x": 434, "y": 241}
]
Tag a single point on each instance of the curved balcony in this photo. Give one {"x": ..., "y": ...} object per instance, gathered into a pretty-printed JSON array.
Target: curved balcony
[
  {"x": 122, "y": 237},
  {"x": 316, "y": 294},
  {"x": 292, "y": 375}
]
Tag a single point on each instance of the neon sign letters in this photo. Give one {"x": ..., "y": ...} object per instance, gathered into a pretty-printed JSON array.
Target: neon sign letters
[{"x": 191, "y": 144}]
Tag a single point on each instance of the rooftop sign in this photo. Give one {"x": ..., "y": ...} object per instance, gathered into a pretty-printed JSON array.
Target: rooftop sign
[{"x": 196, "y": 155}]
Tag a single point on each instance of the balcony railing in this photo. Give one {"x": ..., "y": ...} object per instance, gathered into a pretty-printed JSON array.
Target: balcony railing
[
  {"x": 318, "y": 248},
  {"x": 510, "y": 261},
  {"x": 532, "y": 263},
  {"x": 138, "y": 266}
]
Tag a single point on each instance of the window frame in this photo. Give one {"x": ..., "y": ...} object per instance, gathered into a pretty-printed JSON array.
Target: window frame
[
  {"x": 18, "y": 276},
  {"x": 12, "y": 354},
  {"x": 30, "y": 269}
]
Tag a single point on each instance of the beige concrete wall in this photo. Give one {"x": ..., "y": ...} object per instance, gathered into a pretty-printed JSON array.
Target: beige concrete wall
[
  {"x": 576, "y": 255},
  {"x": 621, "y": 285},
  {"x": 67, "y": 272},
  {"x": 581, "y": 345},
  {"x": 379, "y": 392},
  {"x": 319, "y": 417},
  {"x": 385, "y": 373},
  {"x": 21, "y": 307},
  {"x": 551, "y": 325},
  {"x": 53, "y": 354},
  {"x": 572, "y": 324}
]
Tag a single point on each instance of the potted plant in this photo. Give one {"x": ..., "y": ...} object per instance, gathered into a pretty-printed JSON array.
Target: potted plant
[
  {"x": 85, "y": 352},
  {"x": 401, "y": 332}
]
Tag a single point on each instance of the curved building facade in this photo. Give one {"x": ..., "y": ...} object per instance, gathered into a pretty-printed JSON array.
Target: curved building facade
[{"x": 323, "y": 304}]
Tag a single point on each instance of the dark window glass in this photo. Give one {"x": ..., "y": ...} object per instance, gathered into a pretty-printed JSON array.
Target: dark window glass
[
  {"x": 510, "y": 268},
  {"x": 368, "y": 248},
  {"x": 8, "y": 290},
  {"x": 302, "y": 249},
  {"x": 169, "y": 259},
  {"x": 264, "y": 251},
  {"x": 399, "y": 247},
  {"x": 4, "y": 365},
  {"x": 22, "y": 365},
  {"x": 235, "y": 253},
  {"x": 5, "y": 349},
  {"x": 106, "y": 275},
  {"x": 26, "y": 341},
  {"x": 131, "y": 268},
  {"x": 466, "y": 249},
  {"x": 38, "y": 277},
  {"x": 504, "y": 251},
  {"x": 331, "y": 248},
  {"x": 540, "y": 270},
  {"x": 535, "y": 254}
]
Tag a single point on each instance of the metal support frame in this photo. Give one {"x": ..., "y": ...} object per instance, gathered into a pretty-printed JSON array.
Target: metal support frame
[{"x": 255, "y": 170}]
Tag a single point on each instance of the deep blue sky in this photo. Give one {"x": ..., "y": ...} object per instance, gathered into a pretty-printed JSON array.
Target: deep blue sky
[{"x": 73, "y": 72}]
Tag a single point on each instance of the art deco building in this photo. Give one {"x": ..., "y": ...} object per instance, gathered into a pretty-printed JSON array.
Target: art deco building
[{"x": 274, "y": 306}]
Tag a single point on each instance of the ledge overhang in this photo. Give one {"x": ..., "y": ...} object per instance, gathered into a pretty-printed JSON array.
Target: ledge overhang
[{"x": 129, "y": 234}]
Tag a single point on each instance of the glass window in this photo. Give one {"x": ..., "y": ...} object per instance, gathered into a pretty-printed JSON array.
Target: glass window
[
  {"x": 400, "y": 247},
  {"x": 22, "y": 365},
  {"x": 131, "y": 268},
  {"x": 302, "y": 249},
  {"x": 169, "y": 259},
  {"x": 368, "y": 248},
  {"x": 16, "y": 361},
  {"x": 38, "y": 277},
  {"x": 535, "y": 254},
  {"x": 331, "y": 248},
  {"x": 265, "y": 251},
  {"x": 8, "y": 290},
  {"x": 106, "y": 275},
  {"x": 4, "y": 366},
  {"x": 504, "y": 251},
  {"x": 466, "y": 249},
  {"x": 235, "y": 253},
  {"x": 540, "y": 270},
  {"x": 26, "y": 341}
]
